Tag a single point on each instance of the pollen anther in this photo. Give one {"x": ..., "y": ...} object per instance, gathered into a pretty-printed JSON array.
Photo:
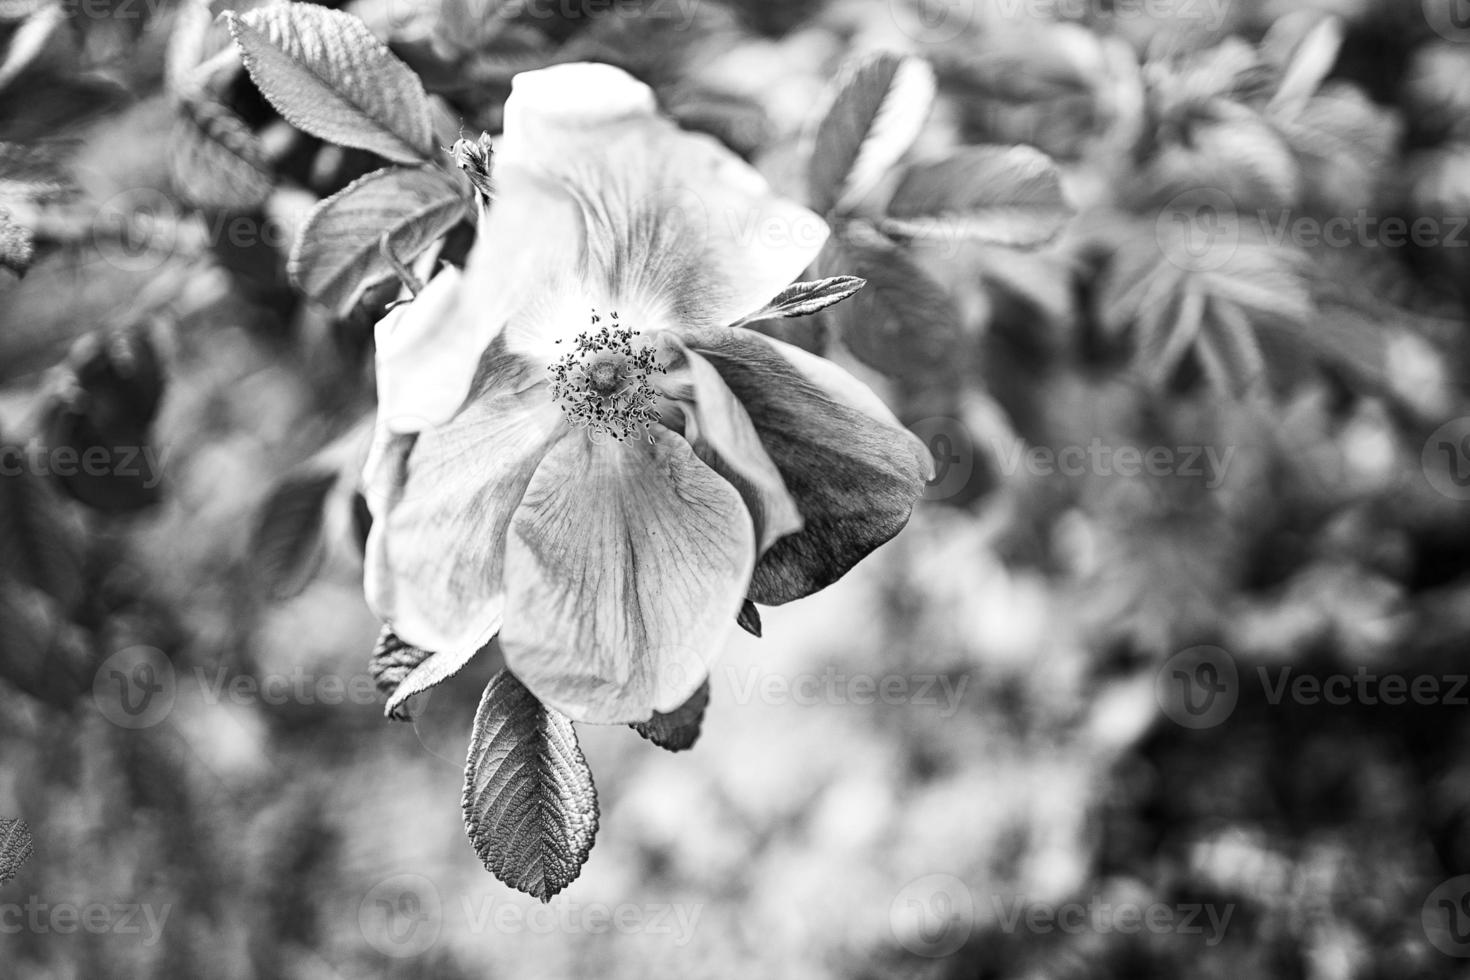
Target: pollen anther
[{"x": 602, "y": 383}]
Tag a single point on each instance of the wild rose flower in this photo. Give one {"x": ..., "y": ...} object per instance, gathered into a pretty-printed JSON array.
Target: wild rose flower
[{"x": 587, "y": 458}]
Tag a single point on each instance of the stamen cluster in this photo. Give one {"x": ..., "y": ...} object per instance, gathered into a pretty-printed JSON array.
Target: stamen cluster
[{"x": 602, "y": 385}]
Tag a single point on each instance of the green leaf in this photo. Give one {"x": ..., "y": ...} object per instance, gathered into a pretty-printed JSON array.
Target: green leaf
[
  {"x": 1213, "y": 312},
  {"x": 470, "y": 25},
  {"x": 41, "y": 652},
  {"x": 337, "y": 255},
  {"x": 1305, "y": 53},
  {"x": 434, "y": 669},
  {"x": 101, "y": 406},
  {"x": 288, "y": 543},
  {"x": 530, "y": 808},
  {"x": 15, "y": 848},
  {"x": 678, "y": 730},
  {"x": 40, "y": 544},
  {"x": 1006, "y": 195},
  {"x": 36, "y": 171},
  {"x": 749, "y": 618},
  {"x": 217, "y": 160},
  {"x": 392, "y": 662},
  {"x": 327, "y": 74},
  {"x": 806, "y": 298},
  {"x": 17, "y": 246},
  {"x": 41, "y": 36},
  {"x": 904, "y": 324},
  {"x": 738, "y": 122},
  {"x": 877, "y": 109}
]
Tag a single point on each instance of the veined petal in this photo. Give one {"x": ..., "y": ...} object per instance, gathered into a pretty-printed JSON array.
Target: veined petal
[
  {"x": 720, "y": 431},
  {"x": 625, "y": 568},
  {"x": 671, "y": 227},
  {"x": 441, "y": 508},
  {"x": 854, "y": 471}
]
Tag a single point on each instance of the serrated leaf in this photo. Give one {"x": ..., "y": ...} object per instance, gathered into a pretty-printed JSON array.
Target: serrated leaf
[
  {"x": 101, "y": 407},
  {"x": 1344, "y": 142},
  {"x": 338, "y": 252},
  {"x": 188, "y": 45},
  {"x": 877, "y": 109},
  {"x": 806, "y": 298},
  {"x": 904, "y": 323},
  {"x": 469, "y": 24},
  {"x": 42, "y": 34},
  {"x": 217, "y": 160},
  {"x": 392, "y": 661},
  {"x": 288, "y": 543},
  {"x": 41, "y": 652},
  {"x": 1005, "y": 195},
  {"x": 362, "y": 520},
  {"x": 327, "y": 74},
  {"x": 749, "y": 618},
  {"x": 677, "y": 730},
  {"x": 1305, "y": 53},
  {"x": 739, "y": 122},
  {"x": 1214, "y": 313},
  {"x": 17, "y": 247},
  {"x": 39, "y": 544},
  {"x": 15, "y": 848},
  {"x": 434, "y": 669},
  {"x": 55, "y": 103},
  {"x": 530, "y": 807},
  {"x": 35, "y": 171}
]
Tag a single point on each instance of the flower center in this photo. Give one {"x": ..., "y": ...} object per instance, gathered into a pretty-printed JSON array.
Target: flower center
[{"x": 602, "y": 383}]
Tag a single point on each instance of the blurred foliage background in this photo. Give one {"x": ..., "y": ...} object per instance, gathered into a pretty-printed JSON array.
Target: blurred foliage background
[{"x": 1029, "y": 619}]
